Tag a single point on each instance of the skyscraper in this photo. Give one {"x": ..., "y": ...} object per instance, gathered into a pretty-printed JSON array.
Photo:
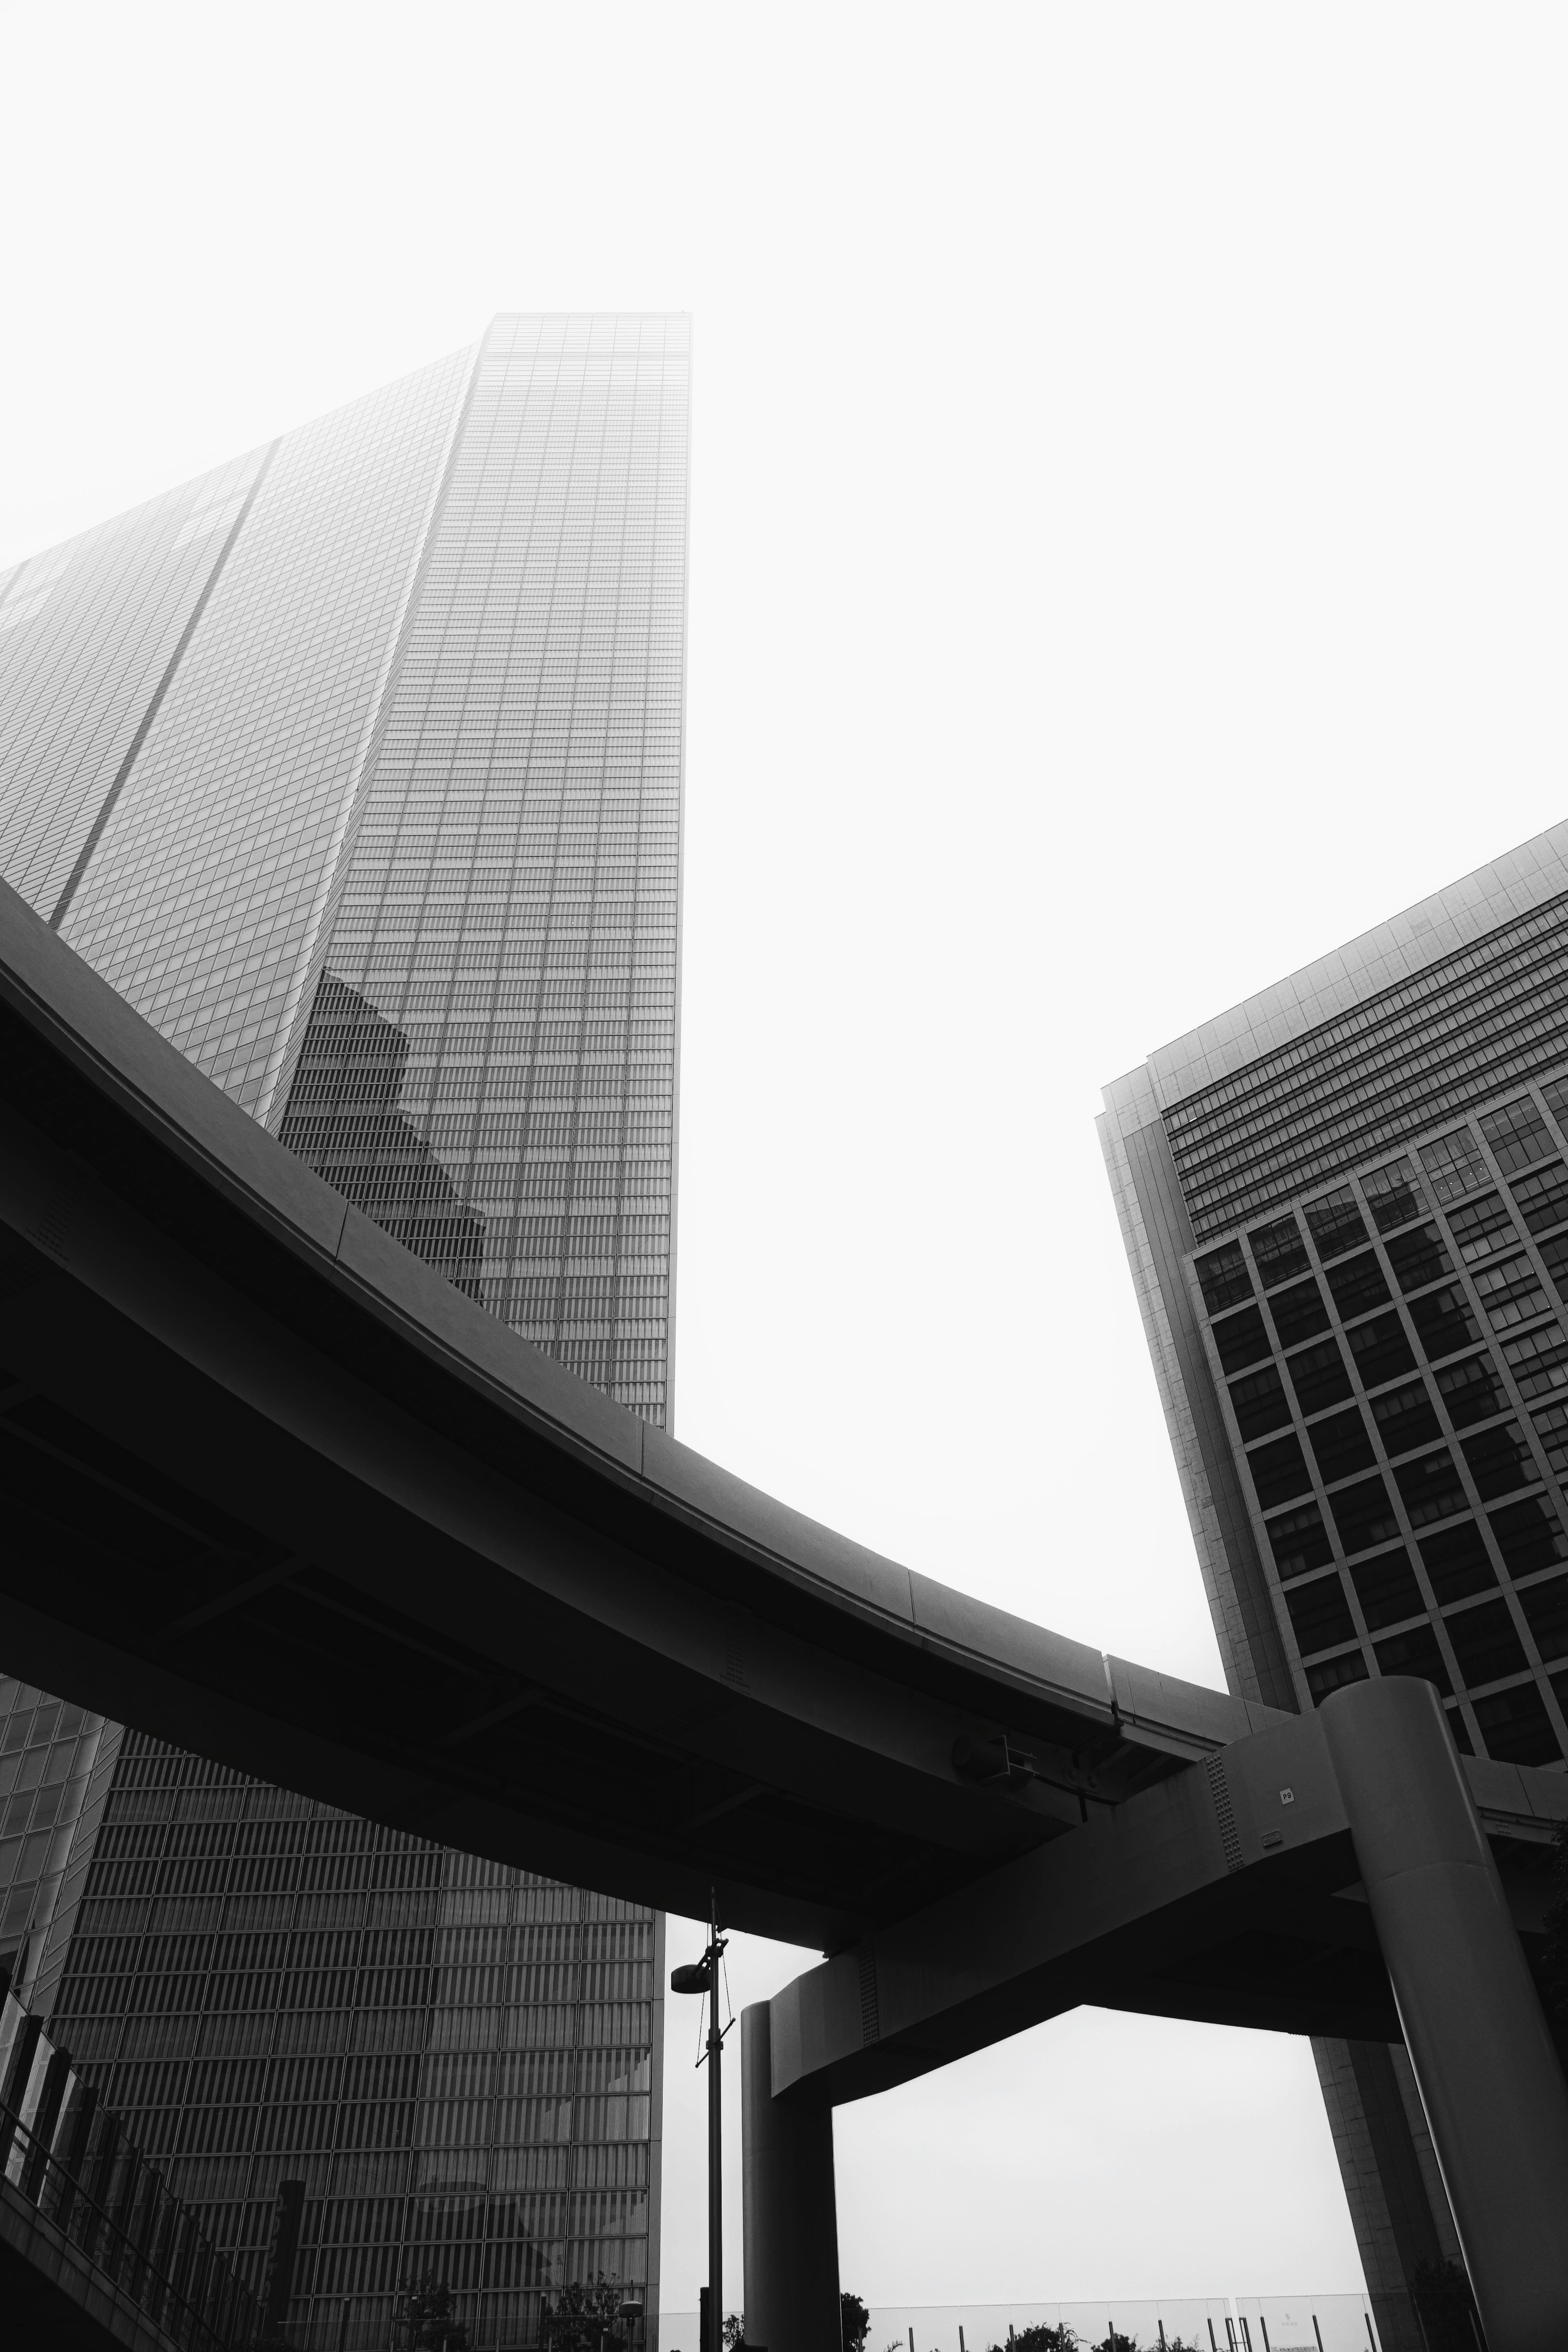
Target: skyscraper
[
  {"x": 355, "y": 765},
  {"x": 1345, "y": 1206}
]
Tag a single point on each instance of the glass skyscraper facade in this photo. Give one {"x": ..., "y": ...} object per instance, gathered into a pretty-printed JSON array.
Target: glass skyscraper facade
[
  {"x": 1345, "y": 1205},
  {"x": 355, "y": 765}
]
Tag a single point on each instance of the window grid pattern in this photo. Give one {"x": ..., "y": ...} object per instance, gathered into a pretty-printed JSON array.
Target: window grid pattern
[
  {"x": 506, "y": 921},
  {"x": 1461, "y": 1032},
  {"x": 87, "y": 630},
  {"x": 203, "y": 895},
  {"x": 1400, "y": 1413},
  {"x": 455, "y": 2058}
]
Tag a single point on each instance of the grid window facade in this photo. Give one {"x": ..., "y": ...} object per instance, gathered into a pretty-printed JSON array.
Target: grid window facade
[{"x": 1405, "y": 1470}]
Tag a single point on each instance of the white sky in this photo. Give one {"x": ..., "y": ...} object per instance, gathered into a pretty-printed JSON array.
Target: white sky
[{"x": 1127, "y": 560}]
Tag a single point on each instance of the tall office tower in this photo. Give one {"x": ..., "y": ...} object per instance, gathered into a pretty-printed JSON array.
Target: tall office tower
[
  {"x": 1345, "y": 1205},
  {"x": 356, "y": 766}
]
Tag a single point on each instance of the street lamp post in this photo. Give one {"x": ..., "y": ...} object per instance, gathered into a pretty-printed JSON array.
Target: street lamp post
[{"x": 702, "y": 1975}]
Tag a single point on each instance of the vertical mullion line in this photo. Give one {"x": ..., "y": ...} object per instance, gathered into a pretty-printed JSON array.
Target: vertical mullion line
[
  {"x": 668, "y": 1417},
  {"x": 296, "y": 1017},
  {"x": 133, "y": 750}
]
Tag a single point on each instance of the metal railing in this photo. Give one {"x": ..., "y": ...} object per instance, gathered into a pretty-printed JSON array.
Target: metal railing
[{"x": 64, "y": 2153}]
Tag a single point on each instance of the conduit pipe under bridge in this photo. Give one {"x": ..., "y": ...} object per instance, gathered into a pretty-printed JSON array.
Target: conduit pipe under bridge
[{"x": 275, "y": 1491}]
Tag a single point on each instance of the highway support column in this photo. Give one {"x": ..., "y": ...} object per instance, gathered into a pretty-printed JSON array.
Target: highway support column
[
  {"x": 1482, "y": 2053},
  {"x": 790, "y": 2211}
]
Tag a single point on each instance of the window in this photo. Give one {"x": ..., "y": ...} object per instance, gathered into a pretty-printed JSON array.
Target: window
[
  {"x": 1554, "y": 1254},
  {"x": 1457, "y": 1563},
  {"x": 1279, "y": 1471},
  {"x": 1431, "y": 1486},
  {"x": 1510, "y": 1293},
  {"x": 1299, "y": 1542},
  {"x": 1554, "y": 1094},
  {"x": 1341, "y": 1445},
  {"x": 1516, "y": 1726},
  {"x": 1358, "y": 1285},
  {"x": 1419, "y": 1258},
  {"x": 1386, "y": 1587},
  {"x": 1319, "y": 1614},
  {"x": 1552, "y": 1429},
  {"x": 1415, "y": 1651},
  {"x": 1443, "y": 1323},
  {"x": 1518, "y": 1135},
  {"x": 1406, "y": 1417},
  {"x": 1394, "y": 1195},
  {"x": 1486, "y": 1642},
  {"x": 1279, "y": 1252},
  {"x": 1481, "y": 1228},
  {"x": 1545, "y": 1608},
  {"x": 1539, "y": 1362},
  {"x": 1333, "y": 1673},
  {"x": 1223, "y": 1278},
  {"x": 1501, "y": 1460},
  {"x": 1542, "y": 1199},
  {"x": 1529, "y": 1535},
  {"x": 1454, "y": 1165},
  {"x": 1471, "y": 1391},
  {"x": 1260, "y": 1402},
  {"x": 1381, "y": 1351},
  {"x": 1337, "y": 1224},
  {"x": 1241, "y": 1339},
  {"x": 1363, "y": 1514},
  {"x": 1299, "y": 1314},
  {"x": 1318, "y": 1376}
]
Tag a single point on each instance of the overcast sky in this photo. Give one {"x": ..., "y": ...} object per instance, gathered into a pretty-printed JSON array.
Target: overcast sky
[{"x": 1127, "y": 560}]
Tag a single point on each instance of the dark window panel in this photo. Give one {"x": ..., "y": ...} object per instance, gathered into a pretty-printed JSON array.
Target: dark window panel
[
  {"x": 1386, "y": 1587},
  {"x": 1539, "y": 1362},
  {"x": 1406, "y": 1417},
  {"x": 1501, "y": 1460},
  {"x": 1279, "y": 1252},
  {"x": 1413, "y": 1652},
  {"x": 1481, "y": 1228},
  {"x": 1357, "y": 1285},
  {"x": 1223, "y": 1278},
  {"x": 1516, "y": 1726},
  {"x": 1299, "y": 1314},
  {"x": 1241, "y": 1339},
  {"x": 1318, "y": 1376},
  {"x": 1333, "y": 1674},
  {"x": 1419, "y": 1258},
  {"x": 1471, "y": 1391},
  {"x": 1545, "y": 1608},
  {"x": 1457, "y": 1563},
  {"x": 1443, "y": 1323},
  {"x": 1279, "y": 1471},
  {"x": 1320, "y": 1613},
  {"x": 1542, "y": 1199},
  {"x": 1260, "y": 1402},
  {"x": 1460, "y": 1730},
  {"x": 1381, "y": 1350},
  {"x": 1431, "y": 1487},
  {"x": 1454, "y": 1166},
  {"x": 1529, "y": 1533},
  {"x": 1554, "y": 1258},
  {"x": 1299, "y": 1542},
  {"x": 1341, "y": 1445},
  {"x": 1510, "y": 1293},
  {"x": 1363, "y": 1514},
  {"x": 1518, "y": 1136},
  {"x": 1394, "y": 1195},
  {"x": 1337, "y": 1224},
  {"x": 1554, "y": 1093},
  {"x": 1552, "y": 1429},
  {"x": 1485, "y": 1643}
]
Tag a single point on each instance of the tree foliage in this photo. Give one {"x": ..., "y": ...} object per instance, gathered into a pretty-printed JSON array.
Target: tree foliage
[
  {"x": 428, "y": 2317},
  {"x": 855, "y": 2320},
  {"x": 584, "y": 2316}
]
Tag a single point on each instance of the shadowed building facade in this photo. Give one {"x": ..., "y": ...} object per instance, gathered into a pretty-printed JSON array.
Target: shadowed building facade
[
  {"x": 355, "y": 766},
  {"x": 1345, "y": 1207}
]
